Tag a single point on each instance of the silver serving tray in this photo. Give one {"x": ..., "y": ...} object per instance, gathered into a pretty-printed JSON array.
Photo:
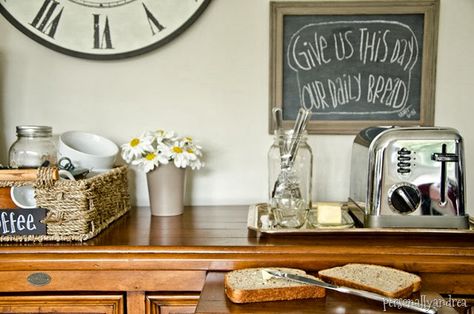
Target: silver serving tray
[{"x": 260, "y": 219}]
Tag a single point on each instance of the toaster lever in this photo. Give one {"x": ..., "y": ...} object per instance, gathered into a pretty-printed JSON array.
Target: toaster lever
[{"x": 444, "y": 157}]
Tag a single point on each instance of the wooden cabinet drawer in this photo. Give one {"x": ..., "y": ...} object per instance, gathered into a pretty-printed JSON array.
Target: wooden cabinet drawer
[
  {"x": 171, "y": 303},
  {"x": 97, "y": 304},
  {"x": 104, "y": 280}
]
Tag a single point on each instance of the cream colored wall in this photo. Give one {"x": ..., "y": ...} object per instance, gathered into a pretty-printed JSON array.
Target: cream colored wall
[{"x": 211, "y": 83}]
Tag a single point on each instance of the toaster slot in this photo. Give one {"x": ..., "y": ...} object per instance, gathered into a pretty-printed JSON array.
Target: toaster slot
[{"x": 443, "y": 158}]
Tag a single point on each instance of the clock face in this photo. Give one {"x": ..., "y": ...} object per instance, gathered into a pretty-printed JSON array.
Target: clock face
[{"x": 102, "y": 29}]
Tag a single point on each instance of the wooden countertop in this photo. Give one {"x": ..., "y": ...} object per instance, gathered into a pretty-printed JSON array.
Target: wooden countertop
[
  {"x": 216, "y": 238},
  {"x": 226, "y": 226}
]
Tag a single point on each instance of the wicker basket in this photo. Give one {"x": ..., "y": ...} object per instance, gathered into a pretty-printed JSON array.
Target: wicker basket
[{"x": 77, "y": 210}]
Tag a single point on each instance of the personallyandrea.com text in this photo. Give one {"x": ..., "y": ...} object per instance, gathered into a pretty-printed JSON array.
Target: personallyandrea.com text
[{"x": 431, "y": 303}]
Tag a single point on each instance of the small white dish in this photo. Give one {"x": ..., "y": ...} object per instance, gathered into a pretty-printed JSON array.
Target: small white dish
[{"x": 23, "y": 196}]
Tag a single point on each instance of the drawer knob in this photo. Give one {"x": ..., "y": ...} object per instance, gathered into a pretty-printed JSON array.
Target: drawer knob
[{"x": 39, "y": 279}]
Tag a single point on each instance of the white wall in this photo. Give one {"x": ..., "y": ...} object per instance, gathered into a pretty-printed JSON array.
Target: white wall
[{"x": 210, "y": 83}]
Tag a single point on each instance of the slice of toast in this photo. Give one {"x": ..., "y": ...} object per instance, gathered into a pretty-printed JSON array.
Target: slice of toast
[
  {"x": 252, "y": 285},
  {"x": 383, "y": 280}
]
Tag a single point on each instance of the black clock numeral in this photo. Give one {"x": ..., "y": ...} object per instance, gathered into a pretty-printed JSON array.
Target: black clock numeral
[
  {"x": 153, "y": 21},
  {"x": 102, "y": 40},
  {"x": 45, "y": 21}
]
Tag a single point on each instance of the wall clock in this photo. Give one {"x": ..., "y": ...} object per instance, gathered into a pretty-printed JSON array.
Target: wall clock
[{"x": 102, "y": 29}]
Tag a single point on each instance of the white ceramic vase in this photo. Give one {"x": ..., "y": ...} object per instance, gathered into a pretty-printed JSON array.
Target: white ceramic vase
[{"x": 166, "y": 190}]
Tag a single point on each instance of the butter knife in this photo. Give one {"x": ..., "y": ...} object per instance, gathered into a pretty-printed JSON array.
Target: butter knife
[{"x": 408, "y": 304}]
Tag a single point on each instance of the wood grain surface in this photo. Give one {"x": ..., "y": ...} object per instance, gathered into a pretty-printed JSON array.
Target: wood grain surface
[{"x": 140, "y": 254}]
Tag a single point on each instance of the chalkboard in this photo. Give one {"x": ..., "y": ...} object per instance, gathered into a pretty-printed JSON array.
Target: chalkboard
[
  {"x": 352, "y": 68},
  {"x": 19, "y": 221}
]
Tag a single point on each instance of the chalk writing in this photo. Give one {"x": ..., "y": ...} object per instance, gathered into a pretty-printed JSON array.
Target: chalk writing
[
  {"x": 20, "y": 221},
  {"x": 355, "y": 67}
]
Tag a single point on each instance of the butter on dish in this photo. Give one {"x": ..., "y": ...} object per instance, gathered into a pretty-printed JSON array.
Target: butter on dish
[{"x": 329, "y": 214}]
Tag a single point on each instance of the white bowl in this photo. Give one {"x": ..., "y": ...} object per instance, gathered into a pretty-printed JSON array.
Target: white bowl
[
  {"x": 87, "y": 150},
  {"x": 23, "y": 196}
]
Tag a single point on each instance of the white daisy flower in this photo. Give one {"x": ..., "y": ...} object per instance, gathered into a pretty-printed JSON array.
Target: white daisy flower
[
  {"x": 179, "y": 156},
  {"x": 164, "y": 153},
  {"x": 148, "y": 162},
  {"x": 136, "y": 148},
  {"x": 153, "y": 159},
  {"x": 163, "y": 136},
  {"x": 153, "y": 148},
  {"x": 196, "y": 164},
  {"x": 190, "y": 146},
  {"x": 187, "y": 140},
  {"x": 193, "y": 153}
]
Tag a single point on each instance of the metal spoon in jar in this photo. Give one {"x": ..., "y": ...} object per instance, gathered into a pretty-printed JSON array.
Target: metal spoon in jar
[
  {"x": 284, "y": 184},
  {"x": 279, "y": 132}
]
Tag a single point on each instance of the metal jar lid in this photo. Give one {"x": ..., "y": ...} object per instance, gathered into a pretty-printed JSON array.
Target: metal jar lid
[{"x": 34, "y": 130}]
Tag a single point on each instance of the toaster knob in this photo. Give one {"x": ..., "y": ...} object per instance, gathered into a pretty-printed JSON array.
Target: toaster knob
[{"x": 404, "y": 198}]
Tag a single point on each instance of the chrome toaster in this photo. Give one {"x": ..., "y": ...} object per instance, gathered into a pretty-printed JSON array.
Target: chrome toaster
[{"x": 409, "y": 177}]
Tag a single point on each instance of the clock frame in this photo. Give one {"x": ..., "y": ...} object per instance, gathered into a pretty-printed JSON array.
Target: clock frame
[{"x": 102, "y": 29}]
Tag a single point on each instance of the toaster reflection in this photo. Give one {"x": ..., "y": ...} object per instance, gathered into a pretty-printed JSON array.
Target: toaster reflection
[{"x": 433, "y": 204}]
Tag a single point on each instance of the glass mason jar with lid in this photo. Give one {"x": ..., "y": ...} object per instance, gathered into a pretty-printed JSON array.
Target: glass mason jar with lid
[
  {"x": 34, "y": 146},
  {"x": 289, "y": 186}
]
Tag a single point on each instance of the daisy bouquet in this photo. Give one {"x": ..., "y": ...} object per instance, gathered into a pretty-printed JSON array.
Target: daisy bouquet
[{"x": 155, "y": 148}]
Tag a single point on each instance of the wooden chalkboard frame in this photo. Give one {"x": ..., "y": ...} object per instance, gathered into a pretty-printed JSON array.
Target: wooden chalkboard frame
[{"x": 429, "y": 9}]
